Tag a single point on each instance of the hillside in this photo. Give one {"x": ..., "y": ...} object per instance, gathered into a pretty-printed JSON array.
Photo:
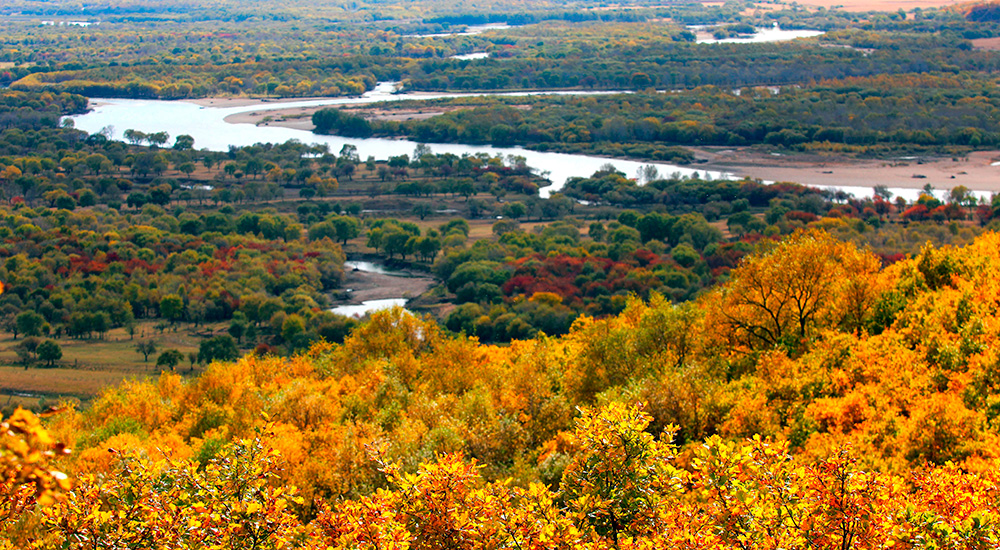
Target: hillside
[{"x": 816, "y": 399}]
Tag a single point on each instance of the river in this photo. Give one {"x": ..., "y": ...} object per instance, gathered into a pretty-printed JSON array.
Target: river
[
  {"x": 372, "y": 286},
  {"x": 773, "y": 34},
  {"x": 208, "y": 127}
]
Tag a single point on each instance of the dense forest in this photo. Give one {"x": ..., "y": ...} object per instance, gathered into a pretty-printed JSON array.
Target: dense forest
[{"x": 548, "y": 441}]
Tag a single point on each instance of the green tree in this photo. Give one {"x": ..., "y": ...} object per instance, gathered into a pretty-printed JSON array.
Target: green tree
[
  {"x": 29, "y": 323},
  {"x": 292, "y": 327},
  {"x": 184, "y": 142},
  {"x": 172, "y": 308},
  {"x": 219, "y": 348},
  {"x": 49, "y": 351},
  {"x": 621, "y": 473},
  {"x": 146, "y": 348},
  {"x": 169, "y": 358}
]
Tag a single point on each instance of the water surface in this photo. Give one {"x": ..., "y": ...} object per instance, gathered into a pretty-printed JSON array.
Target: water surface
[
  {"x": 774, "y": 34},
  {"x": 208, "y": 127}
]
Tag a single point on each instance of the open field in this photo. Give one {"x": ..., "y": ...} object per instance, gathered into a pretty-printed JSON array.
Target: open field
[
  {"x": 57, "y": 382},
  {"x": 88, "y": 366}
]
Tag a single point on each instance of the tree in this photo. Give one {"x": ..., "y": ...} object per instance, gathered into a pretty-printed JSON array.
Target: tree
[
  {"x": 349, "y": 153},
  {"x": 184, "y": 142},
  {"x": 780, "y": 295},
  {"x": 346, "y": 227},
  {"x": 27, "y": 456},
  {"x": 186, "y": 168},
  {"x": 172, "y": 308},
  {"x": 97, "y": 162},
  {"x": 49, "y": 351},
  {"x": 422, "y": 210},
  {"x": 618, "y": 478},
  {"x": 26, "y": 350},
  {"x": 882, "y": 192},
  {"x": 146, "y": 348},
  {"x": 135, "y": 137},
  {"x": 238, "y": 326},
  {"x": 514, "y": 210},
  {"x": 219, "y": 348},
  {"x": 234, "y": 493},
  {"x": 29, "y": 323},
  {"x": 292, "y": 326},
  {"x": 158, "y": 138},
  {"x": 169, "y": 358}
]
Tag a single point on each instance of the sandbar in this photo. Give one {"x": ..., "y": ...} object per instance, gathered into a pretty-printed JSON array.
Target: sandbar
[{"x": 975, "y": 170}]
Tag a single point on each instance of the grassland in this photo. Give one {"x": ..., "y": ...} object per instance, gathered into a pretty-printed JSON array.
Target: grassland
[{"x": 89, "y": 366}]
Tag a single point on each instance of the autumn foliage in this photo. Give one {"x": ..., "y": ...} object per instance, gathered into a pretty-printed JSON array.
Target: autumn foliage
[{"x": 866, "y": 418}]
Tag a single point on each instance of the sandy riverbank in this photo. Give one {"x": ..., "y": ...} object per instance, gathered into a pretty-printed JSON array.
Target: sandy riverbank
[
  {"x": 974, "y": 171},
  {"x": 300, "y": 118},
  {"x": 366, "y": 286},
  {"x": 225, "y": 102}
]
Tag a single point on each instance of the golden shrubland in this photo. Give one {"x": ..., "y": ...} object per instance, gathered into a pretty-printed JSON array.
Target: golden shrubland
[{"x": 814, "y": 400}]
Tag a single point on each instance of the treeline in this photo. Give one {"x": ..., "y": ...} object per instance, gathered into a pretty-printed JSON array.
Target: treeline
[
  {"x": 640, "y": 55},
  {"x": 184, "y": 11},
  {"x": 530, "y": 282},
  {"x": 752, "y": 209},
  {"x": 517, "y": 19}
]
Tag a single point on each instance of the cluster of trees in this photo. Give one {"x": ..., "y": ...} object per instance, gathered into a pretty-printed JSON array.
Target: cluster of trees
[
  {"x": 813, "y": 388},
  {"x": 193, "y": 11},
  {"x": 59, "y": 167},
  {"x": 525, "y": 282},
  {"x": 82, "y": 274},
  {"x": 623, "y": 487},
  {"x": 640, "y": 56},
  {"x": 749, "y": 206}
]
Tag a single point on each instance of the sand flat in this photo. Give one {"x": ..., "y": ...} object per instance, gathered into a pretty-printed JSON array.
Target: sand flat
[
  {"x": 880, "y": 5},
  {"x": 974, "y": 171}
]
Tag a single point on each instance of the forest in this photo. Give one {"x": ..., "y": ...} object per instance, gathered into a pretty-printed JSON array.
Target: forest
[
  {"x": 783, "y": 426},
  {"x": 638, "y": 361}
]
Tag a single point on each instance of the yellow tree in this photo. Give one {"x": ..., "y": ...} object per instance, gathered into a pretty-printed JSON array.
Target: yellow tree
[
  {"x": 27, "y": 476},
  {"x": 782, "y": 294}
]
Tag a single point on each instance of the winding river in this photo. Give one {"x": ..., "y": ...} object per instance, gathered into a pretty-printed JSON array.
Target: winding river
[{"x": 208, "y": 127}]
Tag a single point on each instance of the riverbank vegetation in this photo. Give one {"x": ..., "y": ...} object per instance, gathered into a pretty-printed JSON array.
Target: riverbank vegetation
[{"x": 173, "y": 53}]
